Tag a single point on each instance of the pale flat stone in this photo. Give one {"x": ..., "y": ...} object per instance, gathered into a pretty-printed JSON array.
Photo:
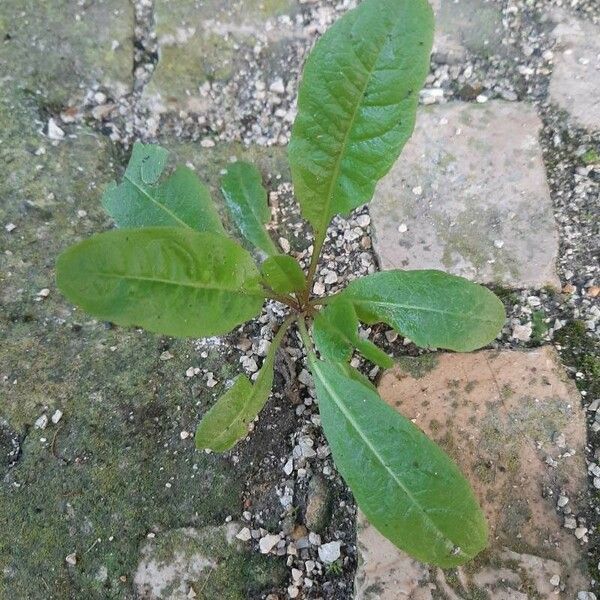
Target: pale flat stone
[
  {"x": 60, "y": 48},
  {"x": 469, "y": 195},
  {"x": 212, "y": 42},
  {"x": 174, "y": 562},
  {"x": 502, "y": 417},
  {"x": 466, "y": 26},
  {"x": 575, "y": 82}
]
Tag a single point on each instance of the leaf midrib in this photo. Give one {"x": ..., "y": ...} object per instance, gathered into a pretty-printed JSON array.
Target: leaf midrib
[
  {"x": 339, "y": 403},
  {"x": 162, "y": 207},
  {"x": 421, "y": 308},
  {"x": 190, "y": 284},
  {"x": 338, "y": 163}
]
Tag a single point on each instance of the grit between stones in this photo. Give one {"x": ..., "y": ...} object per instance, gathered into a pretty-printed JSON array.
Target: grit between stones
[{"x": 103, "y": 494}]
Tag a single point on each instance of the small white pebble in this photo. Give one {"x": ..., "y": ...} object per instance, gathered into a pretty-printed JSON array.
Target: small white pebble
[
  {"x": 207, "y": 143},
  {"x": 44, "y": 293},
  {"x": 10, "y": 227},
  {"x": 285, "y": 245},
  {"x": 555, "y": 580},
  {"x": 330, "y": 277},
  {"x": 41, "y": 422},
  {"x": 277, "y": 86},
  {"x": 244, "y": 535},
  {"x": 402, "y": 228},
  {"x": 54, "y": 131},
  {"x": 318, "y": 288},
  {"x": 71, "y": 559},
  {"x": 363, "y": 220},
  {"x": 184, "y": 435},
  {"x": 57, "y": 416}
]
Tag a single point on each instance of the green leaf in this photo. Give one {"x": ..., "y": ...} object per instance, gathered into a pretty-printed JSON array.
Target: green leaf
[
  {"x": 168, "y": 280},
  {"x": 335, "y": 331},
  {"x": 432, "y": 308},
  {"x": 408, "y": 488},
  {"x": 227, "y": 421},
  {"x": 181, "y": 200},
  {"x": 283, "y": 274},
  {"x": 246, "y": 199},
  {"x": 357, "y": 104}
]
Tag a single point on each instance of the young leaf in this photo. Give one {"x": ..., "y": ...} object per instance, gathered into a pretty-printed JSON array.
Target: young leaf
[
  {"x": 246, "y": 199},
  {"x": 181, "y": 200},
  {"x": 283, "y": 274},
  {"x": 168, "y": 280},
  {"x": 335, "y": 331},
  {"x": 227, "y": 421},
  {"x": 432, "y": 308},
  {"x": 357, "y": 104},
  {"x": 408, "y": 488}
]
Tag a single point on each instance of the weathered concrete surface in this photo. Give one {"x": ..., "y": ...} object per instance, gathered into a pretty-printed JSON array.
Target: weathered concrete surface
[
  {"x": 59, "y": 49},
  {"x": 202, "y": 563},
  {"x": 575, "y": 82},
  {"x": 116, "y": 466},
  {"x": 469, "y": 196},
  {"x": 513, "y": 423},
  {"x": 467, "y": 26},
  {"x": 200, "y": 44}
]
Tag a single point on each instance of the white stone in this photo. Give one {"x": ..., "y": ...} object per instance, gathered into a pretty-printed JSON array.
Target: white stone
[
  {"x": 268, "y": 542},
  {"x": 41, "y": 422},
  {"x": 244, "y": 534},
  {"x": 71, "y": 559},
  {"x": 54, "y": 131},
  {"x": 57, "y": 416},
  {"x": 522, "y": 332},
  {"x": 330, "y": 552}
]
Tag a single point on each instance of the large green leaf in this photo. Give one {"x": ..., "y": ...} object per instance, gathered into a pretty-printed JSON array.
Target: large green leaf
[
  {"x": 181, "y": 200},
  {"x": 335, "y": 331},
  {"x": 432, "y": 308},
  {"x": 283, "y": 274},
  {"x": 227, "y": 421},
  {"x": 408, "y": 488},
  {"x": 168, "y": 280},
  {"x": 246, "y": 199},
  {"x": 357, "y": 104}
]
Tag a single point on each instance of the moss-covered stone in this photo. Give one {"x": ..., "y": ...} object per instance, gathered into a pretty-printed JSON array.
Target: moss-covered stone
[
  {"x": 58, "y": 49},
  {"x": 208, "y": 561},
  {"x": 115, "y": 466},
  {"x": 207, "y": 42}
]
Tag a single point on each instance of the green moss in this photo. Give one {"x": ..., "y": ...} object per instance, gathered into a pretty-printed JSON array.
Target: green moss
[
  {"x": 539, "y": 327},
  {"x": 231, "y": 572},
  {"x": 62, "y": 57},
  {"x": 420, "y": 366},
  {"x": 581, "y": 351},
  {"x": 590, "y": 157}
]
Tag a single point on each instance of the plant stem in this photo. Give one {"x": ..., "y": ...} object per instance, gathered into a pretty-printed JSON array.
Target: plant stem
[
  {"x": 310, "y": 349},
  {"x": 278, "y": 337},
  {"x": 314, "y": 261}
]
